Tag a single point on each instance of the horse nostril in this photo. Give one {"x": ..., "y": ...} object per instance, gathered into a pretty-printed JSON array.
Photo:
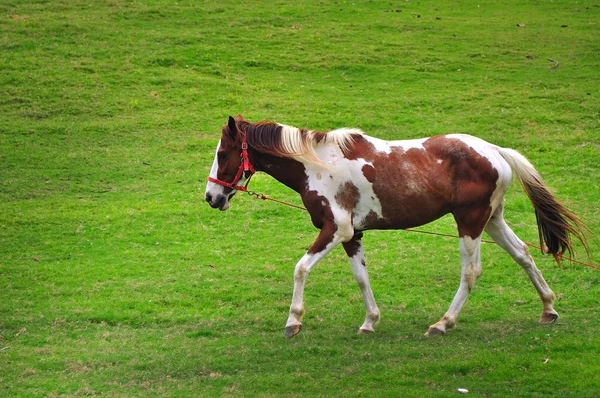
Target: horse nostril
[
  {"x": 208, "y": 198},
  {"x": 220, "y": 201}
]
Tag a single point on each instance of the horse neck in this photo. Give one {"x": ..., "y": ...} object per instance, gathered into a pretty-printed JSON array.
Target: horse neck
[{"x": 287, "y": 171}]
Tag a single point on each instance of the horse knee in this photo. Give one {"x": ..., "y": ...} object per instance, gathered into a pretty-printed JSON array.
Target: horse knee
[
  {"x": 301, "y": 271},
  {"x": 300, "y": 274}
]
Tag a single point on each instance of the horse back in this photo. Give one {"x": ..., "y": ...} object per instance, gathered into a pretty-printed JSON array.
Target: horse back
[{"x": 413, "y": 182}]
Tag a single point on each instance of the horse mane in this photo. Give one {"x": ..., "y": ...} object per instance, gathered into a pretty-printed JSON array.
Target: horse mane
[{"x": 290, "y": 142}]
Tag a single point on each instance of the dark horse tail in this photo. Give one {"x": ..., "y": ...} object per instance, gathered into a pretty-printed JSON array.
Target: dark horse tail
[{"x": 556, "y": 224}]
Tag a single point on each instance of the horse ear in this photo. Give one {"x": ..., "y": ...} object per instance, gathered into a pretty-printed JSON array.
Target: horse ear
[{"x": 232, "y": 127}]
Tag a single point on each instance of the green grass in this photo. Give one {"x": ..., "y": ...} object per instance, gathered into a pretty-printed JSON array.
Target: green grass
[{"x": 117, "y": 279}]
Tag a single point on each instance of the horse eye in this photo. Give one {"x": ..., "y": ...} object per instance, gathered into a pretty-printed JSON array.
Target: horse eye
[{"x": 221, "y": 155}]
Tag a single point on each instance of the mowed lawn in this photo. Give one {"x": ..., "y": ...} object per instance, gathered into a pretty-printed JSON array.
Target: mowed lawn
[{"x": 117, "y": 279}]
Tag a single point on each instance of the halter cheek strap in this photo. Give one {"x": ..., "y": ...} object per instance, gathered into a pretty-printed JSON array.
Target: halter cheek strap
[{"x": 245, "y": 166}]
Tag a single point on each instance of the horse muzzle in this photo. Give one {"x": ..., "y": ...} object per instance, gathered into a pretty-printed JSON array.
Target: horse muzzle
[{"x": 219, "y": 201}]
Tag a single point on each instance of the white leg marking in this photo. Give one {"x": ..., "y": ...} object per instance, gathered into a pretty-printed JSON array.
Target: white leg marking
[
  {"x": 506, "y": 239},
  {"x": 470, "y": 255},
  {"x": 362, "y": 278},
  {"x": 303, "y": 268}
]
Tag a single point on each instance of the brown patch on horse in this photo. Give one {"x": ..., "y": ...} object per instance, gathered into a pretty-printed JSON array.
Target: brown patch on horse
[
  {"x": 361, "y": 148},
  {"x": 288, "y": 171},
  {"x": 369, "y": 172},
  {"x": 325, "y": 238},
  {"x": 371, "y": 219},
  {"x": 416, "y": 186},
  {"x": 472, "y": 221},
  {"x": 322, "y": 218},
  {"x": 353, "y": 246},
  {"x": 407, "y": 183},
  {"x": 347, "y": 196},
  {"x": 474, "y": 178},
  {"x": 473, "y": 183},
  {"x": 228, "y": 165}
]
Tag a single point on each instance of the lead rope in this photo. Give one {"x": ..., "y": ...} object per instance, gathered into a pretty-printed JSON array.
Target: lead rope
[
  {"x": 557, "y": 256},
  {"x": 257, "y": 195}
]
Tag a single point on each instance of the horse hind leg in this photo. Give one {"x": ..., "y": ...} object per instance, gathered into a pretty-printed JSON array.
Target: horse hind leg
[
  {"x": 501, "y": 233},
  {"x": 470, "y": 272},
  {"x": 470, "y": 227}
]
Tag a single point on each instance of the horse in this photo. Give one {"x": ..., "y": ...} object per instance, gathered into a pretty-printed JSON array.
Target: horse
[{"x": 350, "y": 183}]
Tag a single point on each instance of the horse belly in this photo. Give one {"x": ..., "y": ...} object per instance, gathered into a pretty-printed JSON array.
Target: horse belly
[{"x": 408, "y": 196}]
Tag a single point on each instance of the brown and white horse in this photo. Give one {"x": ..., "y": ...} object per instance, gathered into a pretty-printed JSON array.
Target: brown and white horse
[{"x": 350, "y": 182}]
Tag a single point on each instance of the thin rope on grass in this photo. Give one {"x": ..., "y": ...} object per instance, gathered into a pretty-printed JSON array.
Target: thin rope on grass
[{"x": 557, "y": 256}]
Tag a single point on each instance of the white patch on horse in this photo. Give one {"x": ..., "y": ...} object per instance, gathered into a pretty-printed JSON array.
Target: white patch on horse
[
  {"x": 213, "y": 169},
  {"x": 215, "y": 189},
  {"x": 388, "y": 146},
  {"x": 409, "y": 144},
  {"x": 343, "y": 171}
]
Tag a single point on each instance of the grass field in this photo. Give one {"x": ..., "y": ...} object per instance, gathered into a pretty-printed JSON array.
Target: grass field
[{"x": 117, "y": 279}]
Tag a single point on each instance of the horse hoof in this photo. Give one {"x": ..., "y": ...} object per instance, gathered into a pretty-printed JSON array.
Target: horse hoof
[
  {"x": 549, "y": 317},
  {"x": 365, "y": 331},
  {"x": 433, "y": 331},
  {"x": 291, "y": 331}
]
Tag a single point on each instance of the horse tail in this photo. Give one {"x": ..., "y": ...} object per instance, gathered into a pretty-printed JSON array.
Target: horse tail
[{"x": 556, "y": 224}]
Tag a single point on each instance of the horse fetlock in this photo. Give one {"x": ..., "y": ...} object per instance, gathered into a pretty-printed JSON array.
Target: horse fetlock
[
  {"x": 371, "y": 319},
  {"x": 449, "y": 321},
  {"x": 373, "y": 316},
  {"x": 296, "y": 314},
  {"x": 442, "y": 326},
  {"x": 548, "y": 299}
]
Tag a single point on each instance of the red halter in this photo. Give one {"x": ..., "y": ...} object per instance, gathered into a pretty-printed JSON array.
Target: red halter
[{"x": 244, "y": 166}]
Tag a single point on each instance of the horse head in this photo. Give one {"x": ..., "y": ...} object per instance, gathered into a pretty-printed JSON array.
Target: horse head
[{"x": 231, "y": 168}]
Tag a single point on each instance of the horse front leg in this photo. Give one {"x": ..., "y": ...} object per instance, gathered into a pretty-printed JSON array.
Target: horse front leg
[
  {"x": 354, "y": 250},
  {"x": 328, "y": 238}
]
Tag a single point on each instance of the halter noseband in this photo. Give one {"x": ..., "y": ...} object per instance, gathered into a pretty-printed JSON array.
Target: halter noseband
[{"x": 244, "y": 166}]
